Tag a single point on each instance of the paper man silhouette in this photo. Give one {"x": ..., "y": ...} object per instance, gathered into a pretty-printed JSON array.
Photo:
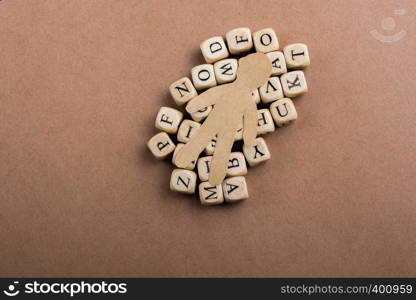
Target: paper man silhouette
[{"x": 233, "y": 105}]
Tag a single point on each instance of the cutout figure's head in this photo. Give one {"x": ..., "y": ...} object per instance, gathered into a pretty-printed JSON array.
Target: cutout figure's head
[{"x": 254, "y": 70}]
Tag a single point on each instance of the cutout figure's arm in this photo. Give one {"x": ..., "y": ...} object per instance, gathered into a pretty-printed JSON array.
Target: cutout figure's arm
[
  {"x": 250, "y": 124},
  {"x": 203, "y": 100}
]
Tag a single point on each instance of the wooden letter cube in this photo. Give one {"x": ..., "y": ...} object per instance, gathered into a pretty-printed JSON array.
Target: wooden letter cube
[
  {"x": 210, "y": 194},
  {"x": 186, "y": 130},
  {"x": 297, "y": 56},
  {"x": 271, "y": 90},
  {"x": 175, "y": 153},
  {"x": 201, "y": 114},
  {"x": 168, "y": 119},
  {"x": 239, "y": 40},
  {"x": 235, "y": 189},
  {"x": 283, "y": 111},
  {"x": 294, "y": 83},
  {"x": 278, "y": 62},
  {"x": 183, "y": 181},
  {"x": 203, "y": 167},
  {"x": 265, "y": 122},
  {"x": 236, "y": 164},
  {"x": 265, "y": 40},
  {"x": 161, "y": 145},
  {"x": 214, "y": 49},
  {"x": 257, "y": 153},
  {"x": 182, "y": 90},
  {"x": 203, "y": 76},
  {"x": 226, "y": 70}
]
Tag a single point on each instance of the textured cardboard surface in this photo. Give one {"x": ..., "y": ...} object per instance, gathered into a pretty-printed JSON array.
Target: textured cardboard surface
[{"x": 81, "y": 195}]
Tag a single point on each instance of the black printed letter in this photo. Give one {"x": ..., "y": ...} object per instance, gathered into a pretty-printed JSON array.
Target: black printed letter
[{"x": 292, "y": 84}]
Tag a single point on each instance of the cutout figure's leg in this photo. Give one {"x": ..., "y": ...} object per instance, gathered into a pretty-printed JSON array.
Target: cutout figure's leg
[
  {"x": 197, "y": 143},
  {"x": 221, "y": 155}
]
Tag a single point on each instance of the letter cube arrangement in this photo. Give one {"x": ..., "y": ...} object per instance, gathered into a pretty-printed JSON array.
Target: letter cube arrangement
[{"x": 274, "y": 110}]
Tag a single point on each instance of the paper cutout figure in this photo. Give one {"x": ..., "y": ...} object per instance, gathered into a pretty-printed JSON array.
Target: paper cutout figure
[{"x": 232, "y": 105}]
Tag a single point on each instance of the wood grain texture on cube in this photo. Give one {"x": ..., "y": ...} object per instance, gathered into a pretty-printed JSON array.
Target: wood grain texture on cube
[
  {"x": 283, "y": 111},
  {"x": 265, "y": 40},
  {"x": 226, "y": 70},
  {"x": 187, "y": 129},
  {"x": 168, "y": 119},
  {"x": 296, "y": 56},
  {"x": 294, "y": 83},
  {"x": 183, "y": 181},
  {"x": 265, "y": 122},
  {"x": 235, "y": 189},
  {"x": 239, "y": 40},
  {"x": 257, "y": 153},
  {"x": 161, "y": 145},
  {"x": 214, "y": 49},
  {"x": 182, "y": 91},
  {"x": 271, "y": 90},
  {"x": 210, "y": 194},
  {"x": 203, "y": 76}
]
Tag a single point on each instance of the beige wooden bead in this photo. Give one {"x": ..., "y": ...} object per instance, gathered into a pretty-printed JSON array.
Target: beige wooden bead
[
  {"x": 211, "y": 146},
  {"x": 265, "y": 122},
  {"x": 294, "y": 83},
  {"x": 226, "y": 70},
  {"x": 271, "y": 90},
  {"x": 175, "y": 153},
  {"x": 182, "y": 91},
  {"x": 214, "y": 49},
  {"x": 255, "y": 95},
  {"x": 283, "y": 111},
  {"x": 239, "y": 40},
  {"x": 257, "y": 153},
  {"x": 297, "y": 56},
  {"x": 235, "y": 189},
  {"x": 236, "y": 164},
  {"x": 210, "y": 194},
  {"x": 265, "y": 40},
  {"x": 168, "y": 119},
  {"x": 161, "y": 145},
  {"x": 203, "y": 76},
  {"x": 203, "y": 166},
  {"x": 278, "y": 62},
  {"x": 183, "y": 181},
  {"x": 187, "y": 129},
  {"x": 201, "y": 114}
]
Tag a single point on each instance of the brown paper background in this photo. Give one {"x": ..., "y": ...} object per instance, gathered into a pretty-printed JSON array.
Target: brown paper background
[{"x": 80, "y": 86}]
